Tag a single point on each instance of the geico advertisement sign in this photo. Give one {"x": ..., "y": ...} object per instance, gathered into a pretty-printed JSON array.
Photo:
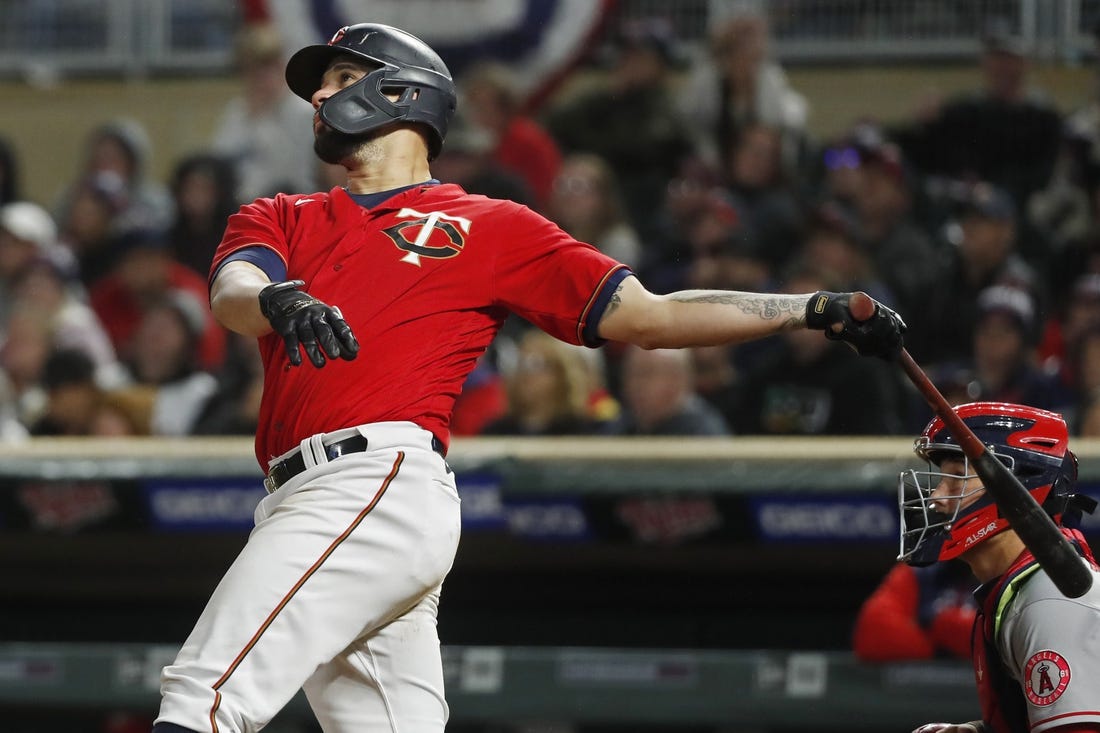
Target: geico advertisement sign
[{"x": 790, "y": 519}]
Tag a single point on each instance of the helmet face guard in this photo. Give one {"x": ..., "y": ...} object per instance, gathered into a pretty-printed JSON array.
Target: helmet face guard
[
  {"x": 401, "y": 64},
  {"x": 1032, "y": 443},
  {"x": 943, "y": 527}
]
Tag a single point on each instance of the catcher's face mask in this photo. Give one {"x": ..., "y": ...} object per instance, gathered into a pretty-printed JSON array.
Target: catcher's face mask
[{"x": 944, "y": 511}]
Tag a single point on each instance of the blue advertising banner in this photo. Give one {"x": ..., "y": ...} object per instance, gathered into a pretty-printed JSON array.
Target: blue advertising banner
[{"x": 807, "y": 518}]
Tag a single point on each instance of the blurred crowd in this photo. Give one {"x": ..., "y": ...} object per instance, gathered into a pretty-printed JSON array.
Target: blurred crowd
[{"x": 977, "y": 218}]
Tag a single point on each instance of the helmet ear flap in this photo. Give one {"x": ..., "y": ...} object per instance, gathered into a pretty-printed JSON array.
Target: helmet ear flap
[
  {"x": 1061, "y": 501},
  {"x": 1074, "y": 466}
]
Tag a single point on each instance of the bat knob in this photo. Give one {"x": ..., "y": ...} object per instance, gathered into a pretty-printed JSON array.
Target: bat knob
[{"x": 861, "y": 306}]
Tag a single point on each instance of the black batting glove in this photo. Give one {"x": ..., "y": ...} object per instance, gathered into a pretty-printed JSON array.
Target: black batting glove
[
  {"x": 880, "y": 335},
  {"x": 305, "y": 322}
]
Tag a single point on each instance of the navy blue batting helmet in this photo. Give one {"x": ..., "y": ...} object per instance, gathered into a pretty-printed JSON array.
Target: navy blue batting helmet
[{"x": 405, "y": 66}]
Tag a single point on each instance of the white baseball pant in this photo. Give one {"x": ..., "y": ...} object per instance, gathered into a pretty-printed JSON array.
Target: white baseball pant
[{"x": 334, "y": 592}]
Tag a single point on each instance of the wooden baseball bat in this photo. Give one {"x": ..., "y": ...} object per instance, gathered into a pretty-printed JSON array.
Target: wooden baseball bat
[{"x": 1034, "y": 526}]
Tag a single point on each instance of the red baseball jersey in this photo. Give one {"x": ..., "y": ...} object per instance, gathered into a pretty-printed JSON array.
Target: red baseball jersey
[{"x": 425, "y": 280}]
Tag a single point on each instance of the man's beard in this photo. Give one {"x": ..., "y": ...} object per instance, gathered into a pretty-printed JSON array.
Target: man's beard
[{"x": 336, "y": 147}]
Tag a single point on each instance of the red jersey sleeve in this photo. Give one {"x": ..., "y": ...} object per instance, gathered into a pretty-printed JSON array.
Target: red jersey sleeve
[
  {"x": 262, "y": 222},
  {"x": 554, "y": 281}
]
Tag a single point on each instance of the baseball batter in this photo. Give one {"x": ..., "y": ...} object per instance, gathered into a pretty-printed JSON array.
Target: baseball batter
[
  {"x": 1036, "y": 653},
  {"x": 392, "y": 287}
]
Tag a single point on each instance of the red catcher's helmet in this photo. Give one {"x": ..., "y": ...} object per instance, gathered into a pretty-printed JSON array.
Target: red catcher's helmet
[
  {"x": 1032, "y": 443},
  {"x": 403, "y": 65}
]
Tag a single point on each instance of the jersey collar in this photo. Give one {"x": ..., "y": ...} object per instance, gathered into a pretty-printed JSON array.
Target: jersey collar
[{"x": 373, "y": 200}]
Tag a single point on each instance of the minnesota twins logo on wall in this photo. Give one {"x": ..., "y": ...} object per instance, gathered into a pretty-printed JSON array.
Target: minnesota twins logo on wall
[
  {"x": 1046, "y": 677},
  {"x": 435, "y": 234}
]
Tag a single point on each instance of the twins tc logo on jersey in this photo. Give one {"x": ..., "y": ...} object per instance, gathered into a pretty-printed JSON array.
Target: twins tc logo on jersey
[
  {"x": 435, "y": 234},
  {"x": 1046, "y": 677}
]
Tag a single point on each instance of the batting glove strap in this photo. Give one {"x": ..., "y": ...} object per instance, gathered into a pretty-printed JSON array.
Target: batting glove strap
[
  {"x": 880, "y": 335},
  {"x": 306, "y": 322},
  {"x": 280, "y": 300}
]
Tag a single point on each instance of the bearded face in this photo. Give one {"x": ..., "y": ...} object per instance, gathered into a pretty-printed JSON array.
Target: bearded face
[{"x": 335, "y": 147}]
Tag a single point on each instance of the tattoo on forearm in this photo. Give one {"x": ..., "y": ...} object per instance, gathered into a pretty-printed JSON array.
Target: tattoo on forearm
[{"x": 791, "y": 308}]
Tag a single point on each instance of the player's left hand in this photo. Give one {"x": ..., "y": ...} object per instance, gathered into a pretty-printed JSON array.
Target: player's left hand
[
  {"x": 879, "y": 335},
  {"x": 305, "y": 322}
]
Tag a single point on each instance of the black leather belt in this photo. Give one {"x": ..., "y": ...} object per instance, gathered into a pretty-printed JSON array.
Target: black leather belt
[{"x": 288, "y": 468}]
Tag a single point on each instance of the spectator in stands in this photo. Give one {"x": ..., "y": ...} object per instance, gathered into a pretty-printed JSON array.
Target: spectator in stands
[
  {"x": 1004, "y": 363},
  {"x": 1080, "y": 178},
  {"x": 1065, "y": 330},
  {"x": 1087, "y": 418},
  {"x": 37, "y": 273},
  {"x": 9, "y": 173},
  {"x": 688, "y": 195},
  {"x": 121, "y": 149},
  {"x": 26, "y": 346},
  {"x": 467, "y": 159},
  {"x": 766, "y": 202},
  {"x": 901, "y": 249},
  {"x": 716, "y": 378},
  {"x": 27, "y": 233},
  {"x": 520, "y": 144},
  {"x": 723, "y": 252},
  {"x": 124, "y": 411},
  {"x": 604, "y": 409},
  {"x": 832, "y": 245},
  {"x": 483, "y": 399},
  {"x": 917, "y": 613},
  {"x": 144, "y": 273},
  {"x": 703, "y": 240},
  {"x": 985, "y": 254},
  {"x": 1082, "y": 129},
  {"x": 204, "y": 190},
  {"x": 266, "y": 131},
  {"x": 92, "y": 222},
  {"x": 629, "y": 119},
  {"x": 1062, "y": 214},
  {"x": 72, "y": 394},
  {"x": 48, "y": 287},
  {"x": 1085, "y": 363},
  {"x": 235, "y": 407},
  {"x": 11, "y": 429},
  {"x": 659, "y": 396},
  {"x": 806, "y": 387},
  {"x": 586, "y": 202},
  {"x": 738, "y": 84},
  {"x": 169, "y": 333},
  {"x": 1005, "y": 132},
  {"x": 835, "y": 172},
  {"x": 548, "y": 390}
]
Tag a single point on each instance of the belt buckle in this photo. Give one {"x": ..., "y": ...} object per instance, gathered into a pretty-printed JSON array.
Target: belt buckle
[{"x": 269, "y": 484}]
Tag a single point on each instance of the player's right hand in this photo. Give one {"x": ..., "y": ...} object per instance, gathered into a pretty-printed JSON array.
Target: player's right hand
[
  {"x": 305, "y": 322},
  {"x": 877, "y": 333}
]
